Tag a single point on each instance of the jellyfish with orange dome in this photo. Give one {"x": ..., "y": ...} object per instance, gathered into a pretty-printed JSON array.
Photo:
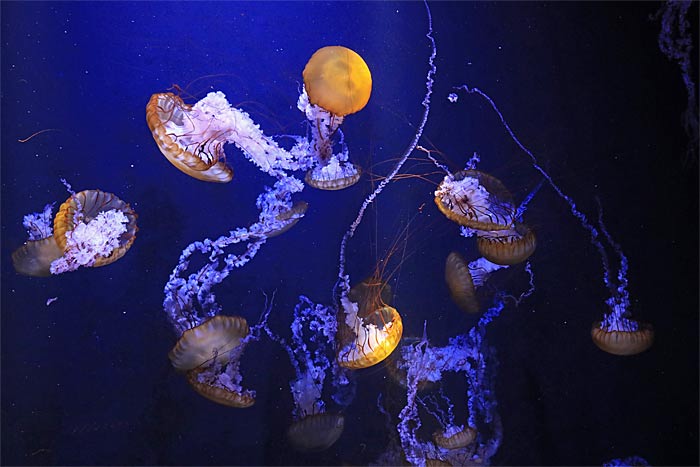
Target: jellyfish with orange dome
[
  {"x": 91, "y": 229},
  {"x": 192, "y": 138},
  {"x": 337, "y": 83},
  {"x": 310, "y": 348},
  {"x": 618, "y": 333}
]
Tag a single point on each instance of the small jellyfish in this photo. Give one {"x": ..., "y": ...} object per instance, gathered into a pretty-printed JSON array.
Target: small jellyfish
[
  {"x": 190, "y": 137},
  {"x": 476, "y": 200},
  {"x": 507, "y": 247},
  {"x": 209, "y": 354},
  {"x": 455, "y": 438},
  {"x": 84, "y": 226},
  {"x": 34, "y": 258},
  {"x": 316, "y": 432},
  {"x": 459, "y": 280},
  {"x": 617, "y": 334},
  {"x": 290, "y": 217},
  {"x": 337, "y": 82}
]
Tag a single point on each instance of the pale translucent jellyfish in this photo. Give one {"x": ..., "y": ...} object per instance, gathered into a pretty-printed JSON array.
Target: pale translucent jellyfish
[
  {"x": 316, "y": 432},
  {"x": 34, "y": 258}
]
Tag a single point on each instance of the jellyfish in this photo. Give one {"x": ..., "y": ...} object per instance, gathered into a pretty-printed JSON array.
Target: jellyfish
[
  {"x": 374, "y": 335},
  {"x": 208, "y": 355},
  {"x": 192, "y": 138},
  {"x": 337, "y": 83},
  {"x": 310, "y": 351},
  {"x": 92, "y": 228},
  {"x": 34, "y": 258},
  {"x": 460, "y": 283},
  {"x": 507, "y": 247},
  {"x": 476, "y": 200}
]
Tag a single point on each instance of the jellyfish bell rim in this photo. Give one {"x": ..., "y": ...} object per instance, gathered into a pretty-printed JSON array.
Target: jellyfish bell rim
[
  {"x": 623, "y": 343},
  {"x": 333, "y": 184},
  {"x": 219, "y": 334},
  {"x": 222, "y": 396},
  {"x": 328, "y": 90},
  {"x": 186, "y": 161},
  {"x": 461, "y": 439}
]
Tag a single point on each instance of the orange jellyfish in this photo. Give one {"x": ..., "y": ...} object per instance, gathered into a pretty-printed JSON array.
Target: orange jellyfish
[
  {"x": 459, "y": 281},
  {"x": 368, "y": 330},
  {"x": 190, "y": 137},
  {"x": 208, "y": 354},
  {"x": 476, "y": 200},
  {"x": 337, "y": 82},
  {"x": 624, "y": 337},
  {"x": 507, "y": 247},
  {"x": 455, "y": 437},
  {"x": 82, "y": 209}
]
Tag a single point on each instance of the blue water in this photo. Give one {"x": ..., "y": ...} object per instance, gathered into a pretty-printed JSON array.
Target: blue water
[{"x": 87, "y": 380}]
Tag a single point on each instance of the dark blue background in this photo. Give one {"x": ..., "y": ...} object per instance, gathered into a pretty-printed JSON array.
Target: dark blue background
[{"x": 87, "y": 379}]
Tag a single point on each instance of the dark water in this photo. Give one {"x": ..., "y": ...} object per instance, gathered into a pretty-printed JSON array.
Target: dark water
[{"x": 87, "y": 381}]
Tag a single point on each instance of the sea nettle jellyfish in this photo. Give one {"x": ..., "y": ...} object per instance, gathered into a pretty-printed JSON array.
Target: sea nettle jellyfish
[
  {"x": 337, "y": 82},
  {"x": 92, "y": 229},
  {"x": 209, "y": 355},
  {"x": 507, "y": 247},
  {"x": 189, "y": 137},
  {"x": 476, "y": 200}
]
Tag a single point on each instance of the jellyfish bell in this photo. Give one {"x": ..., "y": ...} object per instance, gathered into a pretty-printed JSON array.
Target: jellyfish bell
[
  {"x": 333, "y": 176},
  {"x": 211, "y": 385},
  {"x": 455, "y": 437},
  {"x": 476, "y": 200},
  {"x": 34, "y": 258},
  {"x": 459, "y": 281},
  {"x": 507, "y": 247},
  {"x": 85, "y": 207},
  {"x": 338, "y": 80},
  {"x": 630, "y": 337},
  {"x": 190, "y": 137},
  {"x": 210, "y": 342},
  {"x": 316, "y": 432},
  {"x": 204, "y": 353},
  {"x": 290, "y": 218}
]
